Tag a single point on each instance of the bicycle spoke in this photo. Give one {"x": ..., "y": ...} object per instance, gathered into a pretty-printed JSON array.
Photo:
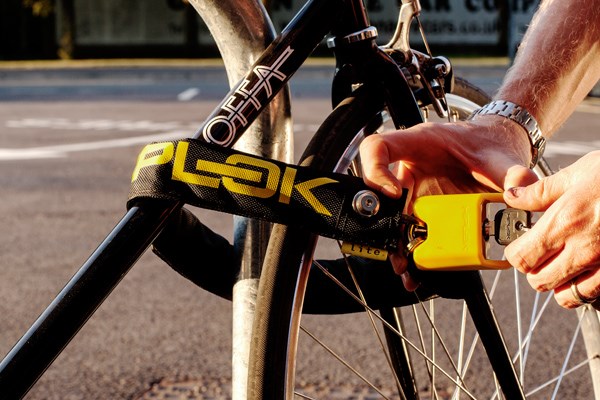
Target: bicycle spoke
[
  {"x": 524, "y": 343},
  {"x": 375, "y": 330},
  {"x": 470, "y": 354},
  {"x": 433, "y": 354},
  {"x": 567, "y": 358},
  {"x": 519, "y": 328},
  {"x": 394, "y": 330},
  {"x": 531, "y": 325},
  {"x": 303, "y": 396},
  {"x": 531, "y": 330},
  {"x": 442, "y": 343},
  {"x": 340, "y": 359},
  {"x": 461, "y": 342},
  {"x": 566, "y": 373},
  {"x": 497, "y": 386},
  {"x": 535, "y": 319},
  {"x": 423, "y": 347}
]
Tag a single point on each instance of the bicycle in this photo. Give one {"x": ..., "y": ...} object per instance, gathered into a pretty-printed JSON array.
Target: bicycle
[{"x": 359, "y": 110}]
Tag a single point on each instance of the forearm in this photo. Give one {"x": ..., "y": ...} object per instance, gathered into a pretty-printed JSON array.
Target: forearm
[{"x": 558, "y": 62}]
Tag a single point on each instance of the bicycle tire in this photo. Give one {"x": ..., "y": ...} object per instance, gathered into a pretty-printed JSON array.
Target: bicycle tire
[{"x": 289, "y": 259}]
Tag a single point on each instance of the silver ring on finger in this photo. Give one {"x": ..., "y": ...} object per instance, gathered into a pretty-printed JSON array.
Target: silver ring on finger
[{"x": 581, "y": 300}]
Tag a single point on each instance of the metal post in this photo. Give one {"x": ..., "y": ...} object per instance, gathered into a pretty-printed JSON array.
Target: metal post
[
  {"x": 590, "y": 325},
  {"x": 101, "y": 273},
  {"x": 242, "y": 30}
]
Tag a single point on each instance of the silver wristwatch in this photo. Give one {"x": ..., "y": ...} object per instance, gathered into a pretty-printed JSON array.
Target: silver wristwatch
[{"x": 522, "y": 117}]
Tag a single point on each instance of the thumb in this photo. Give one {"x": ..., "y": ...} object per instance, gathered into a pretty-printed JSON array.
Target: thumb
[
  {"x": 537, "y": 196},
  {"x": 518, "y": 176}
]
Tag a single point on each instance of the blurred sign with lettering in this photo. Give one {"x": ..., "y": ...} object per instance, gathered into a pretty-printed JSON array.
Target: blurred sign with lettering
[
  {"x": 446, "y": 22},
  {"x": 131, "y": 22}
]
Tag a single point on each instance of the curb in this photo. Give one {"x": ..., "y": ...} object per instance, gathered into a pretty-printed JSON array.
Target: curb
[{"x": 200, "y": 62}]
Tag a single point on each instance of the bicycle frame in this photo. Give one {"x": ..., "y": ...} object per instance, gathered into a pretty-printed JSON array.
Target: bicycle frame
[{"x": 109, "y": 263}]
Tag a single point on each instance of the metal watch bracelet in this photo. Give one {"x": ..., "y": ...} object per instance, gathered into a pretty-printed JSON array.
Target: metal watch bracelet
[{"x": 522, "y": 117}]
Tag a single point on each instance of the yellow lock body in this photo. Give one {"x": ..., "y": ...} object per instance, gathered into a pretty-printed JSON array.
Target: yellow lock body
[{"x": 455, "y": 239}]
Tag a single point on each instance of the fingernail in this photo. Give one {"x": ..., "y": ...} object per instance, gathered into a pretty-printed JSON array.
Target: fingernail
[
  {"x": 390, "y": 190},
  {"x": 409, "y": 283},
  {"x": 515, "y": 191}
]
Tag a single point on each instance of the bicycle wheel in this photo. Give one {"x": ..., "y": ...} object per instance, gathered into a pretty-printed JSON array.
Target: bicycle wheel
[{"x": 425, "y": 353}]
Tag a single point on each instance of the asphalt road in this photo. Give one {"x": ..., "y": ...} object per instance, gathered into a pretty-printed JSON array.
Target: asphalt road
[{"x": 68, "y": 143}]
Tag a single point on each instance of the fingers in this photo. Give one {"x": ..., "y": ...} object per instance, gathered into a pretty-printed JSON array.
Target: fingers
[
  {"x": 376, "y": 172},
  {"x": 559, "y": 271},
  {"x": 587, "y": 285},
  {"x": 539, "y": 195},
  {"x": 379, "y": 151},
  {"x": 406, "y": 179},
  {"x": 563, "y": 247},
  {"x": 443, "y": 158},
  {"x": 575, "y": 255},
  {"x": 556, "y": 272},
  {"x": 409, "y": 282},
  {"x": 534, "y": 248},
  {"x": 400, "y": 263}
]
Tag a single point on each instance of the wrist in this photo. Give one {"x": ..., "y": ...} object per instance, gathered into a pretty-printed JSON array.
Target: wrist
[
  {"x": 519, "y": 116},
  {"x": 505, "y": 135}
]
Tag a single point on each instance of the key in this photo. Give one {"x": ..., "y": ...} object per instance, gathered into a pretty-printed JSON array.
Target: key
[{"x": 510, "y": 224}]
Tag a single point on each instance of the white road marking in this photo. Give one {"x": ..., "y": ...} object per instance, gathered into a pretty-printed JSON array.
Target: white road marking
[
  {"x": 172, "y": 130},
  {"x": 97, "y": 124},
  {"x": 108, "y": 125},
  {"x": 63, "y": 150},
  {"x": 589, "y": 107},
  {"x": 552, "y": 149},
  {"x": 306, "y": 128},
  {"x": 570, "y": 148},
  {"x": 188, "y": 94}
]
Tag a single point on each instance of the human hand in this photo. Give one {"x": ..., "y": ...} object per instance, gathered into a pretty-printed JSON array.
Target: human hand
[
  {"x": 564, "y": 245},
  {"x": 485, "y": 154}
]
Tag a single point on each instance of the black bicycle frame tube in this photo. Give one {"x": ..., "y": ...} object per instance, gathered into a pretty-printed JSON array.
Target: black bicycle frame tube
[
  {"x": 469, "y": 286},
  {"x": 105, "y": 268},
  {"x": 270, "y": 73},
  {"x": 78, "y": 300},
  {"x": 481, "y": 310}
]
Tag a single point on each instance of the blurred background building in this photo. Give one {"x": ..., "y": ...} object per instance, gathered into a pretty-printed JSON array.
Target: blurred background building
[{"x": 50, "y": 29}]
